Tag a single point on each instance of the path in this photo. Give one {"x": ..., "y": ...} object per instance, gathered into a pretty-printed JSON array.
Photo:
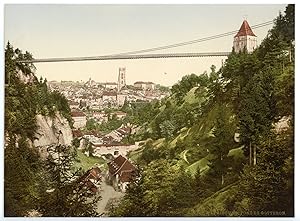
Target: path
[
  {"x": 107, "y": 193},
  {"x": 184, "y": 156}
]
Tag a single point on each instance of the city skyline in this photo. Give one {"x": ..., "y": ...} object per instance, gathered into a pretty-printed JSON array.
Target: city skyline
[{"x": 111, "y": 29}]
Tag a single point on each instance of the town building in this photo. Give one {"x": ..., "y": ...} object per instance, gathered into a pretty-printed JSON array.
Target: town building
[
  {"x": 79, "y": 119},
  {"x": 91, "y": 180},
  {"x": 90, "y": 83},
  {"x": 120, "y": 114},
  {"x": 144, "y": 85},
  {"x": 245, "y": 39},
  {"x": 100, "y": 116},
  {"x": 109, "y": 98},
  {"x": 110, "y": 85},
  {"x": 114, "y": 149},
  {"x": 120, "y": 172},
  {"x": 121, "y": 98}
]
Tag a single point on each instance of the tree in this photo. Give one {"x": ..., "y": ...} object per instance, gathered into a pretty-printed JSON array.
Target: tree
[
  {"x": 257, "y": 111},
  {"x": 269, "y": 185},
  {"x": 65, "y": 194},
  {"x": 222, "y": 141},
  {"x": 21, "y": 179},
  {"x": 184, "y": 85}
]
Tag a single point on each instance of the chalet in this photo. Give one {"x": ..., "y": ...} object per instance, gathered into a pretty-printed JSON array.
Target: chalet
[
  {"x": 79, "y": 119},
  {"x": 91, "y": 179},
  {"x": 120, "y": 172}
]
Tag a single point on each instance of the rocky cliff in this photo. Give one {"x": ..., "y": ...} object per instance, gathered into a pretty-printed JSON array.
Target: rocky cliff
[{"x": 52, "y": 130}]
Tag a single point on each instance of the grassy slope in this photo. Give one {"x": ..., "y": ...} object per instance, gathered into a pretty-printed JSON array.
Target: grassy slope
[
  {"x": 134, "y": 155},
  {"x": 215, "y": 204},
  {"x": 88, "y": 162},
  {"x": 190, "y": 97},
  {"x": 202, "y": 164}
]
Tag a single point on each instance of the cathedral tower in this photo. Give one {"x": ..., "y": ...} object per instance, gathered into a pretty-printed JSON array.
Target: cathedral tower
[{"x": 121, "y": 78}]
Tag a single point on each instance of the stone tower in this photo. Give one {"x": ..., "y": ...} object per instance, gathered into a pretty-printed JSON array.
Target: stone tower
[
  {"x": 121, "y": 78},
  {"x": 245, "y": 39}
]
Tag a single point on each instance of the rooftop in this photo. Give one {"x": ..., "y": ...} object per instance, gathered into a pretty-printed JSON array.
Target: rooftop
[
  {"x": 77, "y": 114},
  {"x": 245, "y": 30},
  {"x": 142, "y": 82},
  {"x": 120, "y": 165}
]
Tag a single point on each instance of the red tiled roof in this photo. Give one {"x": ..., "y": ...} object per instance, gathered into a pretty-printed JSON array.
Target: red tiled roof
[
  {"x": 126, "y": 176},
  {"x": 96, "y": 172},
  {"x": 245, "y": 29},
  {"x": 124, "y": 130},
  {"x": 77, "y": 133},
  {"x": 85, "y": 179},
  {"x": 120, "y": 165},
  {"x": 93, "y": 132},
  {"x": 77, "y": 114}
]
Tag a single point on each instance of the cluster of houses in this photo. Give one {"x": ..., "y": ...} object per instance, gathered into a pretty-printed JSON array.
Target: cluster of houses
[
  {"x": 93, "y": 95},
  {"x": 80, "y": 118},
  {"x": 109, "y": 144},
  {"x": 121, "y": 171}
]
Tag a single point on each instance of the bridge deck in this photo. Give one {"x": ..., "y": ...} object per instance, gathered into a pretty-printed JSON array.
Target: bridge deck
[{"x": 123, "y": 57}]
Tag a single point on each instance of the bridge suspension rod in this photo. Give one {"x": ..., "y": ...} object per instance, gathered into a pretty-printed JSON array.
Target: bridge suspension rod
[{"x": 123, "y": 57}]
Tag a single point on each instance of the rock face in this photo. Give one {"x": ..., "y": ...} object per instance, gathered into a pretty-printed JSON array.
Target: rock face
[
  {"x": 50, "y": 131},
  {"x": 25, "y": 78}
]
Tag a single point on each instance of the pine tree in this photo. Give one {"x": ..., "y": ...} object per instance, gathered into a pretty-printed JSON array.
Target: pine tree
[
  {"x": 21, "y": 165},
  {"x": 269, "y": 185},
  {"x": 65, "y": 194},
  {"x": 257, "y": 111},
  {"x": 222, "y": 142}
]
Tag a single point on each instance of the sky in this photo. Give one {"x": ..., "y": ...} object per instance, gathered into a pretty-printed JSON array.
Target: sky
[{"x": 92, "y": 30}]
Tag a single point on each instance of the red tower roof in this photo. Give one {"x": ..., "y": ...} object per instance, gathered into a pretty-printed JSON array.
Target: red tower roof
[{"x": 245, "y": 29}]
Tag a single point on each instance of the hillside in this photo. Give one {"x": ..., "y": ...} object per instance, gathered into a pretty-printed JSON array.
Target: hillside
[
  {"x": 35, "y": 119},
  {"x": 210, "y": 148}
]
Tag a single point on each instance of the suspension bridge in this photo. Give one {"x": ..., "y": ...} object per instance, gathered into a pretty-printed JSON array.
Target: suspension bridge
[
  {"x": 138, "y": 55},
  {"x": 122, "y": 57}
]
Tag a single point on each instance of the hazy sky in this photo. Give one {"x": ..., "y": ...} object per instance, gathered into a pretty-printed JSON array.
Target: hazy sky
[{"x": 91, "y": 30}]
